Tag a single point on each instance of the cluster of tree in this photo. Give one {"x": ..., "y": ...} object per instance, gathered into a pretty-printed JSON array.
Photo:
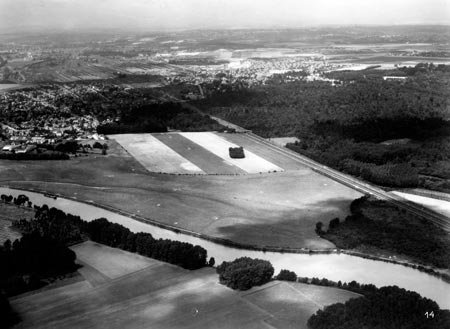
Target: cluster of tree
[
  {"x": 44, "y": 155},
  {"x": 286, "y": 275},
  {"x": 70, "y": 229},
  {"x": 387, "y": 307},
  {"x": 352, "y": 121},
  {"x": 67, "y": 146},
  {"x": 157, "y": 117},
  {"x": 98, "y": 145},
  {"x": 6, "y": 198},
  {"x": 56, "y": 224},
  {"x": 422, "y": 68},
  {"x": 394, "y": 175},
  {"x": 380, "y": 224},
  {"x": 21, "y": 200},
  {"x": 245, "y": 272},
  {"x": 236, "y": 152},
  {"x": 24, "y": 263}
]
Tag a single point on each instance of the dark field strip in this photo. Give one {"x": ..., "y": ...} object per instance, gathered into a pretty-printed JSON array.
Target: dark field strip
[
  {"x": 201, "y": 157},
  {"x": 263, "y": 151}
]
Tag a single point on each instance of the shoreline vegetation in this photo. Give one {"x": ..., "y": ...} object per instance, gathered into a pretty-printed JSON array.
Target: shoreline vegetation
[
  {"x": 228, "y": 243},
  {"x": 383, "y": 226}
]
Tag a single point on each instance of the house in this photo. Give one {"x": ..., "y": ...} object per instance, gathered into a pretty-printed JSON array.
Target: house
[
  {"x": 38, "y": 140},
  {"x": 10, "y": 148},
  {"x": 28, "y": 149}
]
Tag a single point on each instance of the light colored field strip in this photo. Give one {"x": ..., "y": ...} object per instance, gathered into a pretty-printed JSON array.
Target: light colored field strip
[
  {"x": 154, "y": 155},
  {"x": 440, "y": 206},
  {"x": 219, "y": 146}
]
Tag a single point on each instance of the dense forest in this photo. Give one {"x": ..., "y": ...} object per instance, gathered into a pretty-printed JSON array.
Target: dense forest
[
  {"x": 381, "y": 225},
  {"x": 153, "y": 118},
  {"x": 393, "y": 133},
  {"x": 387, "y": 308}
]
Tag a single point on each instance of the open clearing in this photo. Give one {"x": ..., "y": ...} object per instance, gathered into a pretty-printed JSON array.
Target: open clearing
[
  {"x": 165, "y": 296},
  {"x": 154, "y": 155}
]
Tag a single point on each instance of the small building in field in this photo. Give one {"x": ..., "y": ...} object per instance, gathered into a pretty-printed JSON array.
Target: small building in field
[{"x": 236, "y": 152}]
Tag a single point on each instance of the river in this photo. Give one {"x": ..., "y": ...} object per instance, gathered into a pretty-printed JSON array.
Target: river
[{"x": 331, "y": 266}]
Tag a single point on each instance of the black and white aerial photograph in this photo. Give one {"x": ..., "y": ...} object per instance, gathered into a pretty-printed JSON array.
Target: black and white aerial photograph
[{"x": 215, "y": 164}]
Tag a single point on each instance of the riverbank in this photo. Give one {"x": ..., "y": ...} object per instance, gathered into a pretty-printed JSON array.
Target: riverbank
[{"x": 248, "y": 247}]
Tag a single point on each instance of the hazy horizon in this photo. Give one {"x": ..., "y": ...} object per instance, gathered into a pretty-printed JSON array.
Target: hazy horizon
[{"x": 160, "y": 15}]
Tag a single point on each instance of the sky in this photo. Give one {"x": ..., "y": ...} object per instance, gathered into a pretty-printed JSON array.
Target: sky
[{"x": 197, "y": 14}]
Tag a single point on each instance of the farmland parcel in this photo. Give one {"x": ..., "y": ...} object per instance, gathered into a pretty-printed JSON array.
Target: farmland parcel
[
  {"x": 215, "y": 144},
  {"x": 159, "y": 295},
  {"x": 198, "y": 153}
]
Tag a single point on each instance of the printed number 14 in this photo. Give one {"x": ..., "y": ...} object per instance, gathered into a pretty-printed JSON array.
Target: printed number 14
[{"x": 429, "y": 314}]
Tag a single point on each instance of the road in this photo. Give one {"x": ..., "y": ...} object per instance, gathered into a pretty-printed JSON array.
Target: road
[{"x": 352, "y": 182}]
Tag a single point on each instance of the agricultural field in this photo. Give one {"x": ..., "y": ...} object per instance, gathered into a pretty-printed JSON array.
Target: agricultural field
[
  {"x": 217, "y": 145},
  {"x": 209, "y": 162},
  {"x": 203, "y": 153},
  {"x": 154, "y": 155},
  {"x": 291, "y": 304},
  {"x": 5, "y": 86},
  {"x": 111, "y": 262},
  {"x": 161, "y": 295},
  {"x": 272, "y": 209}
]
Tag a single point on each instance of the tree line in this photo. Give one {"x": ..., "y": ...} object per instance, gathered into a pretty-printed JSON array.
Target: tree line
[
  {"x": 151, "y": 118},
  {"x": 70, "y": 229}
]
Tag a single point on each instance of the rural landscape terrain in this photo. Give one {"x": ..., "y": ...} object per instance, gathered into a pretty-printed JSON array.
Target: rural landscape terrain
[{"x": 180, "y": 179}]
